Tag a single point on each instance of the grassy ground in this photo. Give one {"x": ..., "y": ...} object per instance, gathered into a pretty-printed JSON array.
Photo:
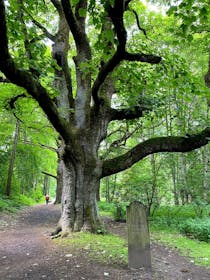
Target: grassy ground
[
  {"x": 107, "y": 248},
  {"x": 112, "y": 249},
  {"x": 197, "y": 251}
]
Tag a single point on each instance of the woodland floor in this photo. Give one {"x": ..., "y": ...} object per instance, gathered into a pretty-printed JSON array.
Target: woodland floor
[{"x": 28, "y": 252}]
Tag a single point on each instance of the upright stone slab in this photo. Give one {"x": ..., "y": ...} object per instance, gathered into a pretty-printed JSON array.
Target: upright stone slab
[{"x": 139, "y": 254}]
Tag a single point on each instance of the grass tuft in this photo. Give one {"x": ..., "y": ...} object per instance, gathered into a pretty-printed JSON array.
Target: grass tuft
[{"x": 108, "y": 249}]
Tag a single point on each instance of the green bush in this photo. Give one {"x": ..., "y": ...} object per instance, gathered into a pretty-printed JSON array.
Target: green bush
[
  {"x": 105, "y": 206},
  {"x": 196, "y": 228},
  {"x": 170, "y": 217},
  {"x": 184, "y": 211},
  {"x": 119, "y": 211},
  {"x": 11, "y": 204}
]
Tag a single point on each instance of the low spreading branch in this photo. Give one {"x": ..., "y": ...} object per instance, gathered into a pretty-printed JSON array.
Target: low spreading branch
[
  {"x": 26, "y": 80},
  {"x": 155, "y": 145}
]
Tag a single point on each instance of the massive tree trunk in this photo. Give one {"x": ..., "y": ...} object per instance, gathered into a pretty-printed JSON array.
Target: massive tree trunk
[{"x": 81, "y": 175}]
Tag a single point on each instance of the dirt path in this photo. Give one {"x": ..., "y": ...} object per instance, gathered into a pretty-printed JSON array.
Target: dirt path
[{"x": 27, "y": 252}]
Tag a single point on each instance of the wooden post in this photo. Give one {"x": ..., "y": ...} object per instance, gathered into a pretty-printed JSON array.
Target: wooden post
[{"x": 139, "y": 254}]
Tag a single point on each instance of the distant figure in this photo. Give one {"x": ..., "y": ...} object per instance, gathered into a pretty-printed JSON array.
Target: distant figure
[{"x": 47, "y": 198}]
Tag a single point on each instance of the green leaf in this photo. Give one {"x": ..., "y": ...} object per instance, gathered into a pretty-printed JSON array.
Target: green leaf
[
  {"x": 171, "y": 10},
  {"x": 82, "y": 12}
]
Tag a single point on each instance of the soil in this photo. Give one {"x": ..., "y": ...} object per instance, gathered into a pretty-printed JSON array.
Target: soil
[{"x": 28, "y": 252}]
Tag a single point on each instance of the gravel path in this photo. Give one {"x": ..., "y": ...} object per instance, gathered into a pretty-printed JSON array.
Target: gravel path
[{"x": 27, "y": 252}]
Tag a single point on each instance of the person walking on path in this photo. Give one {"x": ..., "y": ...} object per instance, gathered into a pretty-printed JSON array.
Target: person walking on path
[{"x": 47, "y": 197}]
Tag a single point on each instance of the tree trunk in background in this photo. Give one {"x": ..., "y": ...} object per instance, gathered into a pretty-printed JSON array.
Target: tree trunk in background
[
  {"x": 205, "y": 158},
  {"x": 107, "y": 191},
  {"x": 46, "y": 185},
  {"x": 183, "y": 180},
  {"x": 12, "y": 158}
]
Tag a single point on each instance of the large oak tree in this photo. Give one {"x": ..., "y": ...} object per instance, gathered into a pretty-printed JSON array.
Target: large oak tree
[{"x": 80, "y": 109}]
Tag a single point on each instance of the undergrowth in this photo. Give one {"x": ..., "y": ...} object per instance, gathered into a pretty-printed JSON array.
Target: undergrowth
[{"x": 15, "y": 202}]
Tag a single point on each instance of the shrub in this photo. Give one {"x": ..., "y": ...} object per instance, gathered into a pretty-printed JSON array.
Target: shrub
[
  {"x": 196, "y": 228},
  {"x": 11, "y": 204},
  {"x": 105, "y": 206},
  {"x": 119, "y": 211}
]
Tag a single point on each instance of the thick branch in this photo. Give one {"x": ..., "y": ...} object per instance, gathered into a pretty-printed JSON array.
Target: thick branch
[
  {"x": 26, "y": 80},
  {"x": 56, "y": 4},
  {"x": 103, "y": 73},
  {"x": 127, "y": 114},
  {"x": 116, "y": 15},
  {"x": 155, "y": 145},
  {"x": 207, "y": 79},
  {"x": 141, "y": 57},
  {"x": 78, "y": 33}
]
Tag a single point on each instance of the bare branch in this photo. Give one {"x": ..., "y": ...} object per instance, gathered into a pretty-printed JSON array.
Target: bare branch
[
  {"x": 155, "y": 145},
  {"x": 39, "y": 25},
  {"x": 138, "y": 22},
  {"x": 122, "y": 141},
  {"x": 49, "y": 174},
  {"x": 103, "y": 73},
  {"x": 207, "y": 78},
  {"x": 40, "y": 145}
]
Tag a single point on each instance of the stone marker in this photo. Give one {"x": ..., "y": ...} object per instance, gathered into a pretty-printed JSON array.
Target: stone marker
[{"x": 139, "y": 254}]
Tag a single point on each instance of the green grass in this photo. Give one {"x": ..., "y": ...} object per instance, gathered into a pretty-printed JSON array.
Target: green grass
[
  {"x": 197, "y": 251},
  {"x": 109, "y": 249}
]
